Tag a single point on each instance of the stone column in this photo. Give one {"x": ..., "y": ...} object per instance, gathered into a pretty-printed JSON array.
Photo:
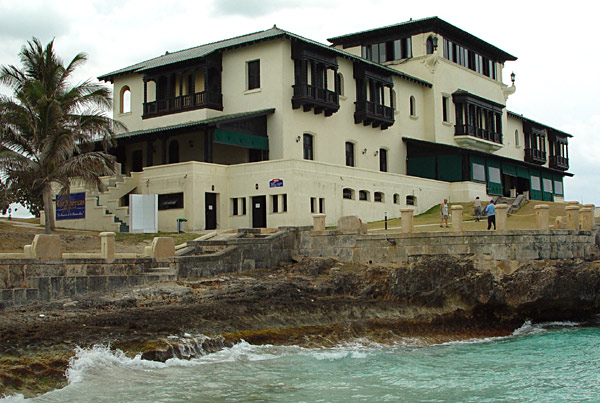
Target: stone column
[
  {"x": 593, "y": 209},
  {"x": 572, "y": 217},
  {"x": 542, "y": 215},
  {"x": 318, "y": 222},
  {"x": 501, "y": 216},
  {"x": 107, "y": 245},
  {"x": 406, "y": 215},
  {"x": 587, "y": 218},
  {"x": 457, "y": 218}
]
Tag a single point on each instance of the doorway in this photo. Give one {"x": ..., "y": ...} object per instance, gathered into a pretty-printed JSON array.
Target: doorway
[
  {"x": 259, "y": 212},
  {"x": 210, "y": 210}
]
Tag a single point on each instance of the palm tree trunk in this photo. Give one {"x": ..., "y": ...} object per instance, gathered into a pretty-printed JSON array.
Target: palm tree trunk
[{"x": 48, "y": 210}]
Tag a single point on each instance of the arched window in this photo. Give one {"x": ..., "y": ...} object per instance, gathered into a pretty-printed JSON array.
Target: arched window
[
  {"x": 412, "y": 106},
  {"x": 363, "y": 195},
  {"x": 339, "y": 84},
  {"x": 429, "y": 45},
  {"x": 411, "y": 200},
  {"x": 308, "y": 147},
  {"x": 516, "y": 138},
  {"x": 396, "y": 198},
  {"x": 125, "y": 100},
  {"x": 173, "y": 152},
  {"x": 393, "y": 99},
  {"x": 379, "y": 197},
  {"x": 348, "y": 193}
]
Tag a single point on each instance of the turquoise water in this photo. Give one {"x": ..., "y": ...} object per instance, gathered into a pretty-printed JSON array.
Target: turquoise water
[{"x": 541, "y": 363}]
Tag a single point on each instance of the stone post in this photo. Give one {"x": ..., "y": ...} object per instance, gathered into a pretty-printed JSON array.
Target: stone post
[
  {"x": 542, "y": 215},
  {"x": 593, "y": 209},
  {"x": 587, "y": 218},
  {"x": 318, "y": 222},
  {"x": 406, "y": 215},
  {"x": 46, "y": 247},
  {"x": 572, "y": 217},
  {"x": 572, "y": 203},
  {"x": 107, "y": 245},
  {"x": 457, "y": 218},
  {"x": 501, "y": 216},
  {"x": 162, "y": 247}
]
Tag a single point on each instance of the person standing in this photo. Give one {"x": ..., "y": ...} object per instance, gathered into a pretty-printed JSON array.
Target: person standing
[
  {"x": 490, "y": 211},
  {"x": 477, "y": 209},
  {"x": 444, "y": 213}
]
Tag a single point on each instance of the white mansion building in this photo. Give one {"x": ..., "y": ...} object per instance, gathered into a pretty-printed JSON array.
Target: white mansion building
[{"x": 266, "y": 129}]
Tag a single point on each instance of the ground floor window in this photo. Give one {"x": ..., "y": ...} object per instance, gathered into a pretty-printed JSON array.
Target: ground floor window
[
  {"x": 279, "y": 203},
  {"x": 411, "y": 200},
  {"x": 348, "y": 193},
  {"x": 170, "y": 201},
  {"x": 238, "y": 206},
  {"x": 378, "y": 197}
]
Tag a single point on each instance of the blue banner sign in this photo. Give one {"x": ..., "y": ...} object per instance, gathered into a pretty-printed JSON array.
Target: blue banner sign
[
  {"x": 74, "y": 209},
  {"x": 276, "y": 183}
]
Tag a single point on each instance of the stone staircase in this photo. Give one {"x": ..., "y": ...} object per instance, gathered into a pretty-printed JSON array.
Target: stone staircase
[
  {"x": 117, "y": 187},
  {"x": 514, "y": 203}
]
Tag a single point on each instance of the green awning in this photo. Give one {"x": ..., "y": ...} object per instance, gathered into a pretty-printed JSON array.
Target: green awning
[
  {"x": 509, "y": 169},
  {"x": 241, "y": 139}
]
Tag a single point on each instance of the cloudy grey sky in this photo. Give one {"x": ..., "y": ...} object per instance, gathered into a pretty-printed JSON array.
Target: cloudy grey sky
[{"x": 557, "y": 68}]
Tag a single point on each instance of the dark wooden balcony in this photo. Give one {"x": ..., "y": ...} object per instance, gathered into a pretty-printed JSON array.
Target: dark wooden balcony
[
  {"x": 559, "y": 162},
  {"x": 535, "y": 156},
  {"x": 483, "y": 134},
  {"x": 374, "y": 114},
  {"x": 311, "y": 97},
  {"x": 199, "y": 100}
]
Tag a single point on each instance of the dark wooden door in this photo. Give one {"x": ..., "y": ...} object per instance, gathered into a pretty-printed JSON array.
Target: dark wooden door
[
  {"x": 210, "y": 215},
  {"x": 259, "y": 212},
  {"x": 137, "y": 161}
]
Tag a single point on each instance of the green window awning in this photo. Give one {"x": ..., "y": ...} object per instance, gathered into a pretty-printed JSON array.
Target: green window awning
[
  {"x": 523, "y": 172},
  {"x": 241, "y": 139}
]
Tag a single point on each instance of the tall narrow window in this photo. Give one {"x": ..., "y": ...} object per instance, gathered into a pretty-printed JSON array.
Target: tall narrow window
[
  {"x": 445, "y": 108},
  {"x": 412, "y": 106},
  {"x": 339, "y": 84},
  {"x": 125, "y": 100},
  {"x": 307, "y": 146},
  {"x": 254, "y": 74},
  {"x": 349, "y": 154},
  {"x": 429, "y": 45},
  {"x": 383, "y": 163},
  {"x": 516, "y": 138}
]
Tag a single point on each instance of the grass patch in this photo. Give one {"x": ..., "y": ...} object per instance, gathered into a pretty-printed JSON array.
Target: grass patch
[{"x": 430, "y": 220}]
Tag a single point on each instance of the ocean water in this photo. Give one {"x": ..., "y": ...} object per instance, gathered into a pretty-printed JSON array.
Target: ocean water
[{"x": 552, "y": 362}]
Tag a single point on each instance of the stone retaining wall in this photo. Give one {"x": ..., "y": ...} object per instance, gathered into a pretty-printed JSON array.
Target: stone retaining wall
[
  {"x": 26, "y": 281},
  {"x": 400, "y": 248}
]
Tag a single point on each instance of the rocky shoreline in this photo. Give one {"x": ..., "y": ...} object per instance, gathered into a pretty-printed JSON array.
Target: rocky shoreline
[{"x": 314, "y": 302}]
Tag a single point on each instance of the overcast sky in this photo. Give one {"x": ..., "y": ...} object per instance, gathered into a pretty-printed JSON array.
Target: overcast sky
[{"x": 557, "y": 68}]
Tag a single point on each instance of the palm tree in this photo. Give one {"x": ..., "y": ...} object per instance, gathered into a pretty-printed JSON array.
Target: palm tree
[{"x": 50, "y": 130}]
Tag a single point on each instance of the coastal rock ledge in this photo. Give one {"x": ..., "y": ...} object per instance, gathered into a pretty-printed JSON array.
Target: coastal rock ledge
[{"x": 313, "y": 302}]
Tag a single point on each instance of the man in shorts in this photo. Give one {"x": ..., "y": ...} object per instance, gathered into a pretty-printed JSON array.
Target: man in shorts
[{"x": 444, "y": 213}]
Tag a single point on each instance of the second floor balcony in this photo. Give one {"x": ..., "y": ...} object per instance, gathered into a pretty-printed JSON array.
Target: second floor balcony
[
  {"x": 535, "y": 156},
  {"x": 558, "y": 162},
  {"x": 198, "y": 100},
  {"x": 484, "y": 134},
  {"x": 312, "y": 97},
  {"x": 374, "y": 114}
]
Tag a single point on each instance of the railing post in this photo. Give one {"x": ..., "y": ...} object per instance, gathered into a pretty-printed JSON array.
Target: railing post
[
  {"x": 457, "y": 218},
  {"x": 542, "y": 215},
  {"x": 593, "y": 209},
  {"x": 107, "y": 245},
  {"x": 501, "y": 216},
  {"x": 572, "y": 217},
  {"x": 587, "y": 217},
  {"x": 318, "y": 222},
  {"x": 406, "y": 215}
]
